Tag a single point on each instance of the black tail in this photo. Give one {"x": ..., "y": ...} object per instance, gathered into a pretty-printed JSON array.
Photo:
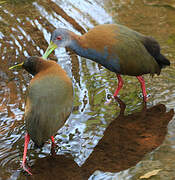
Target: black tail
[
  {"x": 152, "y": 46},
  {"x": 162, "y": 60}
]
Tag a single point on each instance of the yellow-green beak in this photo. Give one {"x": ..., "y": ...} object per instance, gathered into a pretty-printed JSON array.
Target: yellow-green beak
[
  {"x": 50, "y": 48},
  {"x": 17, "y": 66}
]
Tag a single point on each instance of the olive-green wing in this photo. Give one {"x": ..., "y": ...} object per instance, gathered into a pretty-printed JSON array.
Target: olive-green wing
[{"x": 48, "y": 105}]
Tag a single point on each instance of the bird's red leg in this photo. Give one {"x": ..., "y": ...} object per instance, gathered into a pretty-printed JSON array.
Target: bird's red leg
[
  {"x": 53, "y": 146},
  {"x": 27, "y": 139},
  {"x": 120, "y": 85},
  {"x": 53, "y": 141},
  {"x": 142, "y": 82}
]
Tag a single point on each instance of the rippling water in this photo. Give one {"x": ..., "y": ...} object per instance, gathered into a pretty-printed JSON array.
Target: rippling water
[{"x": 137, "y": 144}]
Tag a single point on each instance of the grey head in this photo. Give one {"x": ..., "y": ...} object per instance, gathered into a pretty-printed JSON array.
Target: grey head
[{"x": 61, "y": 37}]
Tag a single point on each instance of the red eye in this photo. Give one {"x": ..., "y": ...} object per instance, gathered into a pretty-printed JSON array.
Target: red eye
[{"x": 59, "y": 38}]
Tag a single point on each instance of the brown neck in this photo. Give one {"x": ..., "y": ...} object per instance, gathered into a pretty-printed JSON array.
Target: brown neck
[{"x": 42, "y": 65}]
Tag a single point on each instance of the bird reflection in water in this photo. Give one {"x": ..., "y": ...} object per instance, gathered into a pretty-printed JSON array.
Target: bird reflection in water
[{"x": 125, "y": 142}]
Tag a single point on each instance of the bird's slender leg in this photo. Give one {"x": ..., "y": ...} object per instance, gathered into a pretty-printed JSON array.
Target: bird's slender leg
[
  {"x": 53, "y": 141},
  {"x": 27, "y": 139},
  {"x": 142, "y": 82},
  {"x": 120, "y": 85},
  {"x": 53, "y": 146}
]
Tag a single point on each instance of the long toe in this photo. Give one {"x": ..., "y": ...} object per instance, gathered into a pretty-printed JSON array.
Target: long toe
[
  {"x": 145, "y": 98},
  {"x": 26, "y": 170}
]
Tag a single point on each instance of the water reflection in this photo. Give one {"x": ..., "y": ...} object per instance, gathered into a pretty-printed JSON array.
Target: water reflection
[
  {"x": 128, "y": 138},
  {"x": 125, "y": 142}
]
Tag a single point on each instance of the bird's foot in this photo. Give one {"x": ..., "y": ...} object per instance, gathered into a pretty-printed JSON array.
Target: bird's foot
[
  {"x": 53, "y": 144},
  {"x": 53, "y": 149},
  {"x": 145, "y": 99},
  {"x": 26, "y": 169}
]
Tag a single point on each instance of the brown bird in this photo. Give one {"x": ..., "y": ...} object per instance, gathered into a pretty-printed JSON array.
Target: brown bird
[
  {"x": 116, "y": 47},
  {"x": 49, "y": 101}
]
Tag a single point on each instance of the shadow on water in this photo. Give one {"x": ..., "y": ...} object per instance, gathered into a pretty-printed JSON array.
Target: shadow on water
[
  {"x": 125, "y": 142},
  {"x": 128, "y": 138}
]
